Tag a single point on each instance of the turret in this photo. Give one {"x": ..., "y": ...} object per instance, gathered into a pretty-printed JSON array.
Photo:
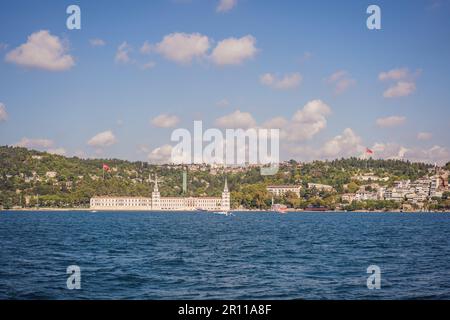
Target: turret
[
  {"x": 156, "y": 197},
  {"x": 225, "y": 197}
]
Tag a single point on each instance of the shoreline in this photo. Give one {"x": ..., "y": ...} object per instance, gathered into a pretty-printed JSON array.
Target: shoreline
[{"x": 193, "y": 211}]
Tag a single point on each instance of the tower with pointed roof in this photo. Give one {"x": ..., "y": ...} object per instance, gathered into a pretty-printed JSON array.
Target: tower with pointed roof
[
  {"x": 225, "y": 205},
  {"x": 156, "y": 196}
]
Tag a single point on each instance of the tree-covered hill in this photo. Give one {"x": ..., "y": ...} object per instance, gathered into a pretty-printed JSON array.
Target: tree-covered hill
[{"x": 29, "y": 177}]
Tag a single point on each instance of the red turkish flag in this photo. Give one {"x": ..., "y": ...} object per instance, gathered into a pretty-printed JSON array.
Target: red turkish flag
[{"x": 369, "y": 151}]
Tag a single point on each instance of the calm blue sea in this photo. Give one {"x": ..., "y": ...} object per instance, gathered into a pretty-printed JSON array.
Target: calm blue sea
[{"x": 206, "y": 256}]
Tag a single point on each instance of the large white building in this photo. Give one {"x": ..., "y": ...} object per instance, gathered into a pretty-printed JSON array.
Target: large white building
[
  {"x": 158, "y": 203},
  {"x": 283, "y": 189}
]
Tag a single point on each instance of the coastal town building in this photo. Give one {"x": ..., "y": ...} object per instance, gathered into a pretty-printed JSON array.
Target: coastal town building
[
  {"x": 320, "y": 187},
  {"x": 158, "y": 203},
  {"x": 281, "y": 190},
  {"x": 414, "y": 192},
  {"x": 369, "y": 177}
]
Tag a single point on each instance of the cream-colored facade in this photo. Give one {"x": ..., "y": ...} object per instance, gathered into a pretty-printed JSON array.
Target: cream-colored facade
[
  {"x": 158, "y": 203},
  {"x": 283, "y": 189}
]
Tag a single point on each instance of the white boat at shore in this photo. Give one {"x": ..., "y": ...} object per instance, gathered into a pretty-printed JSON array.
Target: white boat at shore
[{"x": 224, "y": 213}]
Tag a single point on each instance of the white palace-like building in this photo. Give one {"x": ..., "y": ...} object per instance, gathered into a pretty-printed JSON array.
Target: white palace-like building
[{"x": 158, "y": 203}]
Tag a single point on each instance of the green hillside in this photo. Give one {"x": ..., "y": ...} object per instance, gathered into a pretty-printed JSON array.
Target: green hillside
[{"x": 28, "y": 177}]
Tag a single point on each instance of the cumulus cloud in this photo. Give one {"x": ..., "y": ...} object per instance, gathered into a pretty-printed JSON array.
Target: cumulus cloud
[
  {"x": 392, "y": 121},
  {"x": 344, "y": 145},
  {"x": 237, "y": 119},
  {"x": 102, "y": 139},
  {"x": 341, "y": 80},
  {"x": 305, "y": 123},
  {"x": 226, "y": 5},
  {"x": 57, "y": 151},
  {"x": 34, "y": 143},
  {"x": 276, "y": 123},
  {"x": 165, "y": 121},
  {"x": 424, "y": 136},
  {"x": 404, "y": 84},
  {"x": 41, "y": 144},
  {"x": 123, "y": 53},
  {"x": 394, "y": 74},
  {"x": 309, "y": 121},
  {"x": 234, "y": 51},
  {"x": 401, "y": 89},
  {"x": 3, "y": 113},
  {"x": 182, "y": 47},
  {"x": 161, "y": 155},
  {"x": 435, "y": 154},
  {"x": 42, "y": 51},
  {"x": 288, "y": 81},
  {"x": 97, "y": 42}
]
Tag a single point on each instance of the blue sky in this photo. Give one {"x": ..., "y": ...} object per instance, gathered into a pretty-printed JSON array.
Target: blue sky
[{"x": 101, "y": 101}]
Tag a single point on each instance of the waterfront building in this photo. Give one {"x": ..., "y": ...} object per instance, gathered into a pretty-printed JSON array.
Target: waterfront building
[
  {"x": 280, "y": 190},
  {"x": 158, "y": 203}
]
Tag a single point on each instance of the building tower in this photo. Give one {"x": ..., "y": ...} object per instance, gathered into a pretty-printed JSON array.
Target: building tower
[
  {"x": 225, "y": 205},
  {"x": 156, "y": 197}
]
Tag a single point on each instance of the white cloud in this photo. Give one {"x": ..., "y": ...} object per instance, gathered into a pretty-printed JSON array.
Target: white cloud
[
  {"x": 394, "y": 74},
  {"x": 34, "y": 143},
  {"x": 42, "y": 51},
  {"x": 424, "y": 136},
  {"x": 57, "y": 151},
  {"x": 276, "y": 123},
  {"x": 165, "y": 121},
  {"x": 161, "y": 155},
  {"x": 182, "y": 47},
  {"x": 404, "y": 85},
  {"x": 392, "y": 121},
  {"x": 237, "y": 119},
  {"x": 401, "y": 89},
  {"x": 435, "y": 154},
  {"x": 3, "y": 113},
  {"x": 289, "y": 81},
  {"x": 309, "y": 121},
  {"x": 226, "y": 5},
  {"x": 123, "y": 53},
  {"x": 97, "y": 42},
  {"x": 341, "y": 80},
  {"x": 233, "y": 51},
  {"x": 345, "y": 145},
  {"x": 102, "y": 139}
]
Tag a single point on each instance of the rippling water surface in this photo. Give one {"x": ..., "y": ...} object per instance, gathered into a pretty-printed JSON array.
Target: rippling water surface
[{"x": 207, "y": 256}]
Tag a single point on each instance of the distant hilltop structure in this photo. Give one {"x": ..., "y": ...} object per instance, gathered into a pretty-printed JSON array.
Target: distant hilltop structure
[{"x": 158, "y": 203}]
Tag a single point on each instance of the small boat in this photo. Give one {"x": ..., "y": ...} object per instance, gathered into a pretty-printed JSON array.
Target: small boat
[
  {"x": 224, "y": 213},
  {"x": 93, "y": 211}
]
